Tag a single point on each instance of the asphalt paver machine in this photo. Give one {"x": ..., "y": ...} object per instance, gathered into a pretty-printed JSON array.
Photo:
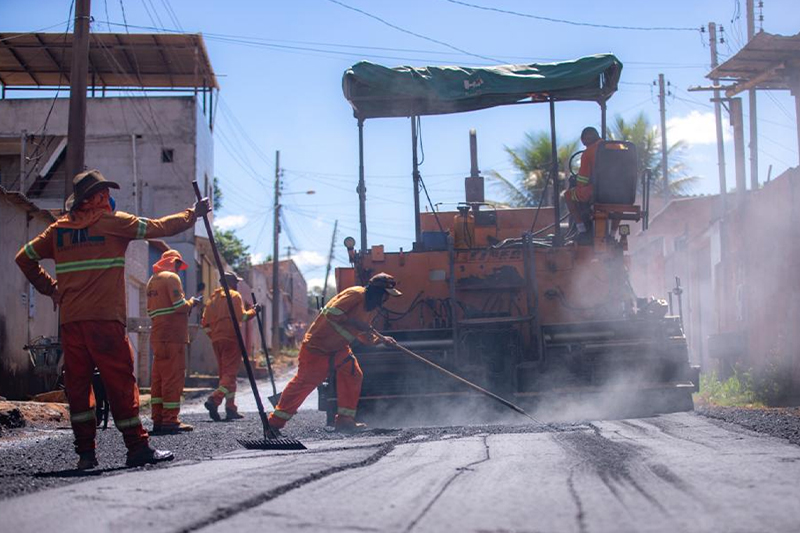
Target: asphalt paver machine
[{"x": 504, "y": 297}]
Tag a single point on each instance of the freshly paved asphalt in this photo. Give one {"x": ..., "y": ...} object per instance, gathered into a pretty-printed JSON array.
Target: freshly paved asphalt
[{"x": 677, "y": 472}]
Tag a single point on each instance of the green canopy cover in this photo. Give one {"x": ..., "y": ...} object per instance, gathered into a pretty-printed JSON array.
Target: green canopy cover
[{"x": 377, "y": 91}]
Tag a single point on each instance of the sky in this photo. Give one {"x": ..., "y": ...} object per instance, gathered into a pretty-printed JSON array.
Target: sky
[{"x": 280, "y": 63}]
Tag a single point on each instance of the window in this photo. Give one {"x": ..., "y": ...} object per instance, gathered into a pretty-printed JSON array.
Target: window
[{"x": 167, "y": 155}]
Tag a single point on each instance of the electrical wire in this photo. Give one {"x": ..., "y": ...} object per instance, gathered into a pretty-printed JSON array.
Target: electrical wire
[
  {"x": 571, "y": 22},
  {"x": 409, "y": 32}
]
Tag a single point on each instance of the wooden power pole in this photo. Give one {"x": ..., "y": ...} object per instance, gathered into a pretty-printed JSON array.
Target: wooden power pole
[
  {"x": 330, "y": 260},
  {"x": 79, "y": 72},
  {"x": 662, "y": 108},
  {"x": 723, "y": 184},
  {"x": 276, "y": 230},
  {"x": 751, "y": 31}
]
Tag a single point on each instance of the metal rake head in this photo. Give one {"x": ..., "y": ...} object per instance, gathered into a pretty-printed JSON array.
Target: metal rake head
[{"x": 272, "y": 444}]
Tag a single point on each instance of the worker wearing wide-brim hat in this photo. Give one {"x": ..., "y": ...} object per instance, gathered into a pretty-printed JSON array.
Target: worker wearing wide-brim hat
[
  {"x": 345, "y": 318},
  {"x": 217, "y": 323},
  {"x": 88, "y": 246},
  {"x": 169, "y": 310}
]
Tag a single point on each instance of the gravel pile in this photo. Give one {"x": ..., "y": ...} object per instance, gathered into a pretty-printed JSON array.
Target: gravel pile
[{"x": 783, "y": 422}]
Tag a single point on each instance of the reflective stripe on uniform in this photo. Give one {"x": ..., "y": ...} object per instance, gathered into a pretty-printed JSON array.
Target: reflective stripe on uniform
[
  {"x": 83, "y": 416},
  {"x": 282, "y": 414},
  {"x": 582, "y": 179},
  {"x": 128, "y": 423},
  {"x": 349, "y": 337},
  {"x": 223, "y": 389},
  {"x": 31, "y": 253},
  {"x": 344, "y": 411},
  {"x": 167, "y": 310},
  {"x": 172, "y": 405},
  {"x": 332, "y": 310},
  {"x": 248, "y": 317},
  {"x": 141, "y": 231},
  {"x": 156, "y": 401},
  {"x": 90, "y": 264}
]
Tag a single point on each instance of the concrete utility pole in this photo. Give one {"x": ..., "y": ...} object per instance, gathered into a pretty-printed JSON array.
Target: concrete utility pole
[
  {"x": 738, "y": 149},
  {"x": 276, "y": 230},
  {"x": 751, "y": 31},
  {"x": 330, "y": 260},
  {"x": 723, "y": 184},
  {"x": 662, "y": 108},
  {"x": 79, "y": 72}
]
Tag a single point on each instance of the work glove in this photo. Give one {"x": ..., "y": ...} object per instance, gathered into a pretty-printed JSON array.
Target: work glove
[
  {"x": 196, "y": 300},
  {"x": 202, "y": 207},
  {"x": 257, "y": 308}
]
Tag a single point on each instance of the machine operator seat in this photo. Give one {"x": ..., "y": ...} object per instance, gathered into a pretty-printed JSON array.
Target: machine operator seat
[{"x": 615, "y": 173}]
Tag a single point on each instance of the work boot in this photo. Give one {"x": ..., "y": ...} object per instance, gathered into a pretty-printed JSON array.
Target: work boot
[
  {"x": 86, "y": 461},
  {"x": 232, "y": 414},
  {"x": 212, "y": 410},
  {"x": 148, "y": 455},
  {"x": 348, "y": 424},
  {"x": 171, "y": 429}
]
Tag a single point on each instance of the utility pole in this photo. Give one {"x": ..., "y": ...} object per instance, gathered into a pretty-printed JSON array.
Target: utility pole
[
  {"x": 751, "y": 31},
  {"x": 738, "y": 149},
  {"x": 663, "y": 111},
  {"x": 79, "y": 72},
  {"x": 276, "y": 230},
  {"x": 723, "y": 184},
  {"x": 330, "y": 260}
]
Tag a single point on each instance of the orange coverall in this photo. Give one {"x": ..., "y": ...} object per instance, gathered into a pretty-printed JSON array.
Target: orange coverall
[
  {"x": 217, "y": 318},
  {"x": 168, "y": 308},
  {"x": 582, "y": 192},
  {"x": 90, "y": 269},
  {"x": 327, "y": 338}
]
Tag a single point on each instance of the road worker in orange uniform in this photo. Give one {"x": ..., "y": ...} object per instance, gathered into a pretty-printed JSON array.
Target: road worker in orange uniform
[
  {"x": 169, "y": 309},
  {"x": 217, "y": 322},
  {"x": 582, "y": 192},
  {"x": 346, "y": 318},
  {"x": 88, "y": 245}
]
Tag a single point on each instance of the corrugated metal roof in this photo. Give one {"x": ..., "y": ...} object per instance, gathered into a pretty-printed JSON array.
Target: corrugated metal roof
[
  {"x": 147, "y": 60},
  {"x": 766, "y": 62}
]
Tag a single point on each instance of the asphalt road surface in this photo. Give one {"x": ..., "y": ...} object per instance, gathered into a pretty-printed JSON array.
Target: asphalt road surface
[{"x": 677, "y": 472}]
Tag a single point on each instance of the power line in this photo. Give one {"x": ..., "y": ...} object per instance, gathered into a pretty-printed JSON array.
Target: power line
[
  {"x": 571, "y": 22},
  {"x": 409, "y": 32}
]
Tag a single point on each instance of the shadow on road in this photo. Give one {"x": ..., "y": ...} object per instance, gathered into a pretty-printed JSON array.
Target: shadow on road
[{"x": 72, "y": 473}]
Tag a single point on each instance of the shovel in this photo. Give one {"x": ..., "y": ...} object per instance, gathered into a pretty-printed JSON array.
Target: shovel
[
  {"x": 483, "y": 391},
  {"x": 276, "y": 396},
  {"x": 271, "y": 440}
]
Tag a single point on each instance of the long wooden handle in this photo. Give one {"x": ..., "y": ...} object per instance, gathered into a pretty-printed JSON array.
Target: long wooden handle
[
  {"x": 224, "y": 282},
  {"x": 458, "y": 378},
  {"x": 264, "y": 346}
]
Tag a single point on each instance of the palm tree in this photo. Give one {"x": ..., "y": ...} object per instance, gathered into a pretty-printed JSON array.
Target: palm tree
[
  {"x": 647, "y": 139},
  {"x": 531, "y": 161}
]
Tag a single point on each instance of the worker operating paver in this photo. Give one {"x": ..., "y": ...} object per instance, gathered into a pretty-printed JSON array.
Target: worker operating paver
[
  {"x": 169, "y": 309},
  {"x": 583, "y": 190},
  {"x": 347, "y": 317},
  {"x": 88, "y": 246},
  {"x": 217, "y": 321}
]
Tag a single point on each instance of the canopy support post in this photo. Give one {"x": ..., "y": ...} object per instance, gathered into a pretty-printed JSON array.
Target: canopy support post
[
  {"x": 603, "y": 119},
  {"x": 554, "y": 175},
  {"x": 362, "y": 188},
  {"x": 416, "y": 176}
]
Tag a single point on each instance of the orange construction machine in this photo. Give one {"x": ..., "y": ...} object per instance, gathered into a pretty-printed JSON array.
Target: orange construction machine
[{"x": 508, "y": 298}]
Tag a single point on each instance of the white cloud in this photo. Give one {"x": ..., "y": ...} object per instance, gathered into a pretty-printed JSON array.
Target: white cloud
[
  {"x": 308, "y": 258},
  {"x": 320, "y": 281},
  {"x": 695, "y": 128},
  {"x": 230, "y": 222},
  {"x": 256, "y": 258}
]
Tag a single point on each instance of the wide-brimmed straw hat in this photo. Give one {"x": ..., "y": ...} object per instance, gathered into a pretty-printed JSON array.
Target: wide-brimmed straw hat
[{"x": 85, "y": 185}]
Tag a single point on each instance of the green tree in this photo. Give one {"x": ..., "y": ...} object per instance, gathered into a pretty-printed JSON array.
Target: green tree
[
  {"x": 531, "y": 162},
  {"x": 647, "y": 139},
  {"x": 217, "y": 195},
  {"x": 233, "y": 250}
]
